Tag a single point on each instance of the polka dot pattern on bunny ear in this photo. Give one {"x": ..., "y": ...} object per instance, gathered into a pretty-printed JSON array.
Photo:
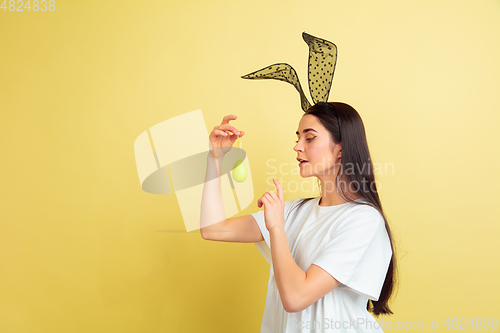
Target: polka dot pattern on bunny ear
[
  {"x": 282, "y": 72},
  {"x": 322, "y": 61}
]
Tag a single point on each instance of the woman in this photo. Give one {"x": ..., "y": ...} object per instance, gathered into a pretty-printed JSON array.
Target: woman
[{"x": 333, "y": 256}]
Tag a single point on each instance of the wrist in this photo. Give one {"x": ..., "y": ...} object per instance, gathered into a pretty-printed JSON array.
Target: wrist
[
  {"x": 211, "y": 155},
  {"x": 276, "y": 228}
]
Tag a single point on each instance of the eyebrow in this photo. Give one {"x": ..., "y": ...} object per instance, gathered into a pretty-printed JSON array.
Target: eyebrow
[{"x": 306, "y": 130}]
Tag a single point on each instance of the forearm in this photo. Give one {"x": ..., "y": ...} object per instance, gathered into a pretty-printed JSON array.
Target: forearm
[
  {"x": 290, "y": 278},
  {"x": 212, "y": 208}
]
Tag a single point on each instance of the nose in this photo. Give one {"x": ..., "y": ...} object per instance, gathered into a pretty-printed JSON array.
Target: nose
[{"x": 298, "y": 147}]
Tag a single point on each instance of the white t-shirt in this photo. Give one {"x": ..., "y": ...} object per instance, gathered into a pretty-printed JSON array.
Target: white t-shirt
[{"x": 351, "y": 243}]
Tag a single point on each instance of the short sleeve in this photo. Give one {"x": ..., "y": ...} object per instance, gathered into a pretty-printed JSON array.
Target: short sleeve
[
  {"x": 265, "y": 245},
  {"x": 359, "y": 253}
]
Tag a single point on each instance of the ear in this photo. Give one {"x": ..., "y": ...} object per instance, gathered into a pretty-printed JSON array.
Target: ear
[
  {"x": 282, "y": 72},
  {"x": 322, "y": 60},
  {"x": 339, "y": 154}
]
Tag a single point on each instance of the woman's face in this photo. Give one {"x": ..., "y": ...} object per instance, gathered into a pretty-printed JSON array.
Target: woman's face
[{"x": 315, "y": 146}]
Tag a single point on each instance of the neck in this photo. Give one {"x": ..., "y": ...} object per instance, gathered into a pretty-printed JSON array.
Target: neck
[{"x": 330, "y": 195}]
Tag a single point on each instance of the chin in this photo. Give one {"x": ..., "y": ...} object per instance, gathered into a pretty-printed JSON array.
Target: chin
[{"x": 305, "y": 174}]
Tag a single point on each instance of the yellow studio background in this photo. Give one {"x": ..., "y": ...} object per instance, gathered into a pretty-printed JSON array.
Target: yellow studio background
[{"x": 84, "y": 249}]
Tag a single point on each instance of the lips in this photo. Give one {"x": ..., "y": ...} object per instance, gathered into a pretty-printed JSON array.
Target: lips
[{"x": 301, "y": 161}]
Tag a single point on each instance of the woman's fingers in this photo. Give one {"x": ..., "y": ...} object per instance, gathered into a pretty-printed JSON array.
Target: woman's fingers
[
  {"x": 263, "y": 201},
  {"x": 225, "y": 135},
  {"x": 279, "y": 188},
  {"x": 226, "y": 131},
  {"x": 273, "y": 195},
  {"x": 225, "y": 126},
  {"x": 219, "y": 132},
  {"x": 228, "y": 128},
  {"x": 226, "y": 119}
]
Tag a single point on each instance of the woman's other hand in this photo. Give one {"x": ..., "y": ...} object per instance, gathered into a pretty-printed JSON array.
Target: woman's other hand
[
  {"x": 223, "y": 136},
  {"x": 274, "y": 207}
]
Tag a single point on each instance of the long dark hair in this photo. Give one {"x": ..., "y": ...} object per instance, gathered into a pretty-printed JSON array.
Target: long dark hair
[{"x": 356, "y": 167}]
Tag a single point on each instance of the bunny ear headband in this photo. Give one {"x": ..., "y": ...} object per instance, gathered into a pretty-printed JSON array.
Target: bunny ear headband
[{"x": 322, "y": 60}]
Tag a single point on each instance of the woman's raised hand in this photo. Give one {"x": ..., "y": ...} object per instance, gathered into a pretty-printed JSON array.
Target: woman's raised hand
[
  {"x": 274, "y": 207},
  {"x": 223, "y": 136}
]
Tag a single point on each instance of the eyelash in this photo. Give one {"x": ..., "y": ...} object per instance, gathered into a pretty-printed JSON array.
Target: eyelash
[{"x": 310, "y": 139}]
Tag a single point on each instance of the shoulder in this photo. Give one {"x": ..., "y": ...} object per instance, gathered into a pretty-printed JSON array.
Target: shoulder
[
  {"x": 297, "y": 204},
  {"x": 363, "y": 215},
  {"x": 365, "y": 209}
]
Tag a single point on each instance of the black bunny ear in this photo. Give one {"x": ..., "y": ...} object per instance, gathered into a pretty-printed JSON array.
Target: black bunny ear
[
  {"x": 282, "y": 72},
  {"x": 322, "y": 60}
]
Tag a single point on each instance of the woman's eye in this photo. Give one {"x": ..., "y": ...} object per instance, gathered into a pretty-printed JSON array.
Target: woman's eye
[{"x": 308, "y": 139}]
